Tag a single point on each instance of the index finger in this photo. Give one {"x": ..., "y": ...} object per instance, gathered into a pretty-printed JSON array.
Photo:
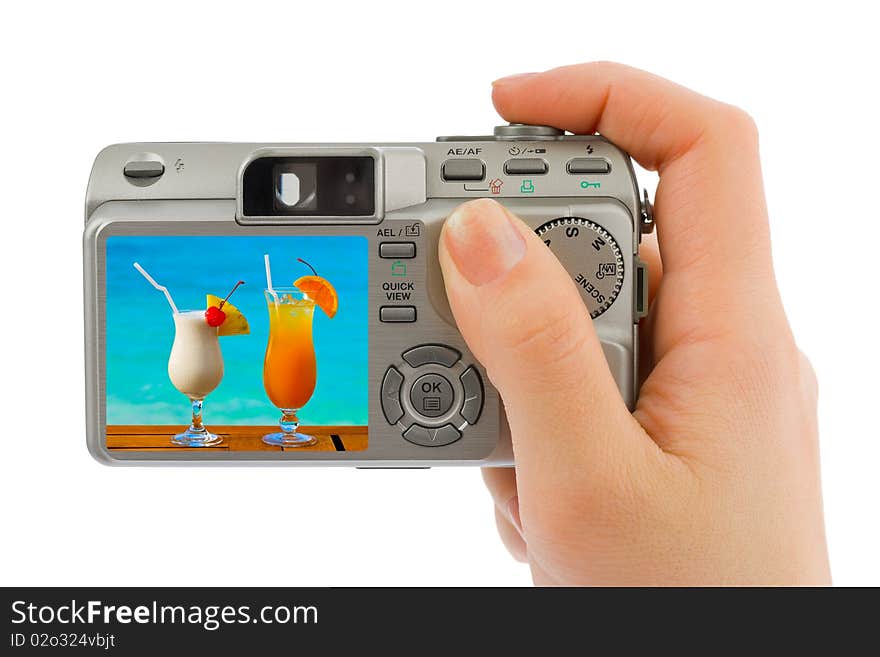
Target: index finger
[{"x": 710, "y": 209}]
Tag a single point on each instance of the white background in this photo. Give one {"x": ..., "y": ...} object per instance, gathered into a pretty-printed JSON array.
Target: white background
[{"x": 78, "y": 76}]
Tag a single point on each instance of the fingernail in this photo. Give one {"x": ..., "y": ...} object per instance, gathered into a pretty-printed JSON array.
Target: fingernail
[
  {"x": 483, "y": 242},
  {"x": 513, "y": 513},
  {"x": 512, "y": 78}
]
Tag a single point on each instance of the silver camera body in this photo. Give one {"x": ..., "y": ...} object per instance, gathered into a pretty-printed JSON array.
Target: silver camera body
[{"x": 578, "y": 192}]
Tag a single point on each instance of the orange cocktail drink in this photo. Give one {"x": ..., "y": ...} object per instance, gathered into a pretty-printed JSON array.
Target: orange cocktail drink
[{"x": 289, "y": 369}]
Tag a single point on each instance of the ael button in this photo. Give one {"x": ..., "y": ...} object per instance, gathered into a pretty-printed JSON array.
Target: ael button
[{"x": 397, "y": 250}]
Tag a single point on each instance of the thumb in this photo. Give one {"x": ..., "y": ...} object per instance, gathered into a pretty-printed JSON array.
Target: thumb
[{"x": 523, "y": 318}]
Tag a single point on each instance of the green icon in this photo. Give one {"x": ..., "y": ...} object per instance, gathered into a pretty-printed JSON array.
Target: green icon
[
  {"x": 398, "y": 268},
  {"x": 586, "y": 184},
  {"x": 527, "y": 187}
]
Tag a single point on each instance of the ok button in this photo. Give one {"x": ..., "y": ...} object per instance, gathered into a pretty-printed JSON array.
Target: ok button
[{"x": 432, "y": 395}]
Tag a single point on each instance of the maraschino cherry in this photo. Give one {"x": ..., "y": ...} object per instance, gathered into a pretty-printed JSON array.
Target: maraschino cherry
[{"x": 215, "y": 315}]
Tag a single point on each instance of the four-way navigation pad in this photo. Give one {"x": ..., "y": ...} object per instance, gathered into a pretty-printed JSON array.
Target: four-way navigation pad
[{"x": 431, "y": 396}]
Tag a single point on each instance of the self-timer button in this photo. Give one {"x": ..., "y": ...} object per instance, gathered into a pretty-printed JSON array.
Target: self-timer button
[{"x": 526, "y": 166}]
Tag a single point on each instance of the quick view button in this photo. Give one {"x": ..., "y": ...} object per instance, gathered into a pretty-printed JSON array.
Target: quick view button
[{"x": 397, "y": 314}]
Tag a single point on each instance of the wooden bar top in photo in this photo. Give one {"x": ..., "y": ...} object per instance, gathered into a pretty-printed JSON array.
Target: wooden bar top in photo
[{"x": 142, "y": 437}]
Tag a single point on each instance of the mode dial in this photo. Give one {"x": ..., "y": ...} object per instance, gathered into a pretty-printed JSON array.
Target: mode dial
[
  {"x": 591, "y": 256},
  {"x": 524, "y": 131},
  {"x": 512, "y": 132}
]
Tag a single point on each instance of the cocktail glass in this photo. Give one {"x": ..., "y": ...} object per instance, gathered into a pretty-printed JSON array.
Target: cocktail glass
[
  {"x": 195, "y": 367},
  {"x": 289, "y": 369}
]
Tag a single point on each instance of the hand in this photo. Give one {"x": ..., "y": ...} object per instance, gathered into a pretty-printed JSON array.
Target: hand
[{"x": 714, "y": 478}]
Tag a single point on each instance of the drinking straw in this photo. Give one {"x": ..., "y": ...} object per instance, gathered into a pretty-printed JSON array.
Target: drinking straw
[
  {"x": 269, "y": 278},
  {"x": 161, "y": 288}
]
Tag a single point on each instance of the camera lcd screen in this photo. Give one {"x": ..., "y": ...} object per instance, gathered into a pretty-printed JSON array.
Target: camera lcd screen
[{"x": 237, "y": 375}]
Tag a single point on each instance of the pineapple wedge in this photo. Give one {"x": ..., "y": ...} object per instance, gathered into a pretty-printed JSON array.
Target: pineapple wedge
[{"x": 235, "y": 323}]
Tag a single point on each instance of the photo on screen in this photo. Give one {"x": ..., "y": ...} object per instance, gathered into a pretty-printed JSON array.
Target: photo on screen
[{"x": 216, "y": 364}]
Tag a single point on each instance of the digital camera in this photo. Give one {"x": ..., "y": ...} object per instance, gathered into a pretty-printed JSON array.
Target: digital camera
[{"x": 284, "y": 304}]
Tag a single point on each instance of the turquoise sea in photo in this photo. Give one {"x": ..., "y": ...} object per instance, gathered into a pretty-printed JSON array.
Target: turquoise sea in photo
[{"x": 140, "y": 328}]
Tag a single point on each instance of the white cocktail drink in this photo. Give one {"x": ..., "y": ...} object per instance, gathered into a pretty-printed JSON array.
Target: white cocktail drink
[{"x": 195, "y": 367}]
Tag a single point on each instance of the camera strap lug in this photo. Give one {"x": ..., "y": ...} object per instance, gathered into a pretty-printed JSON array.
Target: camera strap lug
[{"x": 647, "y": 215}]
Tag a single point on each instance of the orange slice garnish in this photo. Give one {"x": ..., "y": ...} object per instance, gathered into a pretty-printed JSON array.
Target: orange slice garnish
[{"x": 321, "y": 291}]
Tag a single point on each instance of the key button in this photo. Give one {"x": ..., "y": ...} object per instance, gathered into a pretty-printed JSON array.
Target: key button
[{"x": 595, "y": 165}]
